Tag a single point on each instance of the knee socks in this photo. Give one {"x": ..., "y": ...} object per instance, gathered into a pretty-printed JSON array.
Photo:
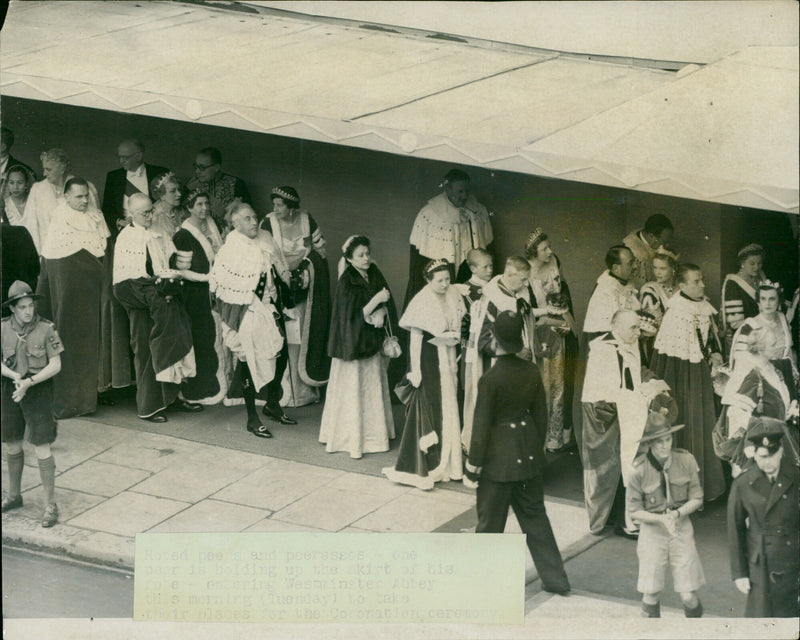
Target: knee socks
[
  {"x": 47, "y": 472},
  {"x": 16, "y": 462}
]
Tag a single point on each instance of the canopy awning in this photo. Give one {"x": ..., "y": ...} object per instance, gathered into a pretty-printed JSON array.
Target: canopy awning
[{"x": 725, "y": 132}]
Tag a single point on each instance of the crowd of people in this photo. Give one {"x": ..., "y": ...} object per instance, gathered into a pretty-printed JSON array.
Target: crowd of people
[{"x": 186, "y": 292}]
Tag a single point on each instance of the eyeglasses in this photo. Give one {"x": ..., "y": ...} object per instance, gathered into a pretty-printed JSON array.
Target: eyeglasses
[{"x": 201, "y": 167}]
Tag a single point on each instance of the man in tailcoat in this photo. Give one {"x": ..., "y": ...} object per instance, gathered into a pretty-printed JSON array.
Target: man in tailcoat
[
  {"x": 506, "y": 455},
  {"x": 133, "y": 176},
  {"x": 763, "y": 526}
]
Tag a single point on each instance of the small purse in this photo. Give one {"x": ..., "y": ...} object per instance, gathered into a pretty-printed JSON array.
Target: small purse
[{"x": 391, "y": 345}]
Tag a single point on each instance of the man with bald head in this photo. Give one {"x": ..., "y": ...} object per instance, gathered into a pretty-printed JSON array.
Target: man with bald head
[
  {"x": 133, "y": 177},
  {"x": 613, "y": 291},
  {"x": 617, "y": 392},
  {"x": 161, "y": 331}
]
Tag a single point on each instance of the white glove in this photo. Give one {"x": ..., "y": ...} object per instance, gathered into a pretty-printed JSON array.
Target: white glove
[{"x": 743, "y": 585}]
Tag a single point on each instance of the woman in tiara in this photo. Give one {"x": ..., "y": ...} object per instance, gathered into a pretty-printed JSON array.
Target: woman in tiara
[
  {"x": 778, "y": 335},
  {"x": 430, "y": 449},
  {"x": 307, "y": 300},
  {"x": 757, "y": 387},
  {"x": 357, "y": 417},
  {"x": 555, "y": 331},
  {"x": 739, "y": 300},
  {"x": 198, "y": 240},
  {"x": 168, "y": 214},
  {"x": 654, "y": 295}
]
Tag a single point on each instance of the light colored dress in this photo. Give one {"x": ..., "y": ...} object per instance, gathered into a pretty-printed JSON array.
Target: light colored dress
[
  {"x": 547, "y": 280},
  {"x": 358, "y": 411},
  {"x": 166, "y": 221},
  {"x": 430, "y": 449}
]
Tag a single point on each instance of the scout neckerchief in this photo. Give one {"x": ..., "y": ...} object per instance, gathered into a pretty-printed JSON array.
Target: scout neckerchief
[
  {"x": 21, "y": 356},
  {"x": 664, "y": 477}
]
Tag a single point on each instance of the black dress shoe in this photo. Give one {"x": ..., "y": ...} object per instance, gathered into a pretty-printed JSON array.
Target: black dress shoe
[
  {"x": 559, "y": 592},
  {"x": 276, "y": 413},
  {"x": 105, "y": 400},
  {"x": 186, "y": 407},
  {"x": 157, "y": 418},
  {"x": 260, "y": 431}
]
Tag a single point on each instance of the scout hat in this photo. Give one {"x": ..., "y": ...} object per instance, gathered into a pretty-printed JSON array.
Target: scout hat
[
  {"x": 765, "y": 433},
  {"x": 658, "y": 424},
  {"x": 507, "y": 330},
  {"x": 19, "y": 290}
]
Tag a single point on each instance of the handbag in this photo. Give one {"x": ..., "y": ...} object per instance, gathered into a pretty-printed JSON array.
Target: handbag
[{"x": 391, "y": 345}]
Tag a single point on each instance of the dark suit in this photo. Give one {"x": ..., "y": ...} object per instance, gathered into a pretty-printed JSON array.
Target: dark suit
[
  {"x": 507, "y": 447},
  {"x": 114, "y": 193},
  {"x": 20, "y": 259},
  {"x": 765, "y": 547}
]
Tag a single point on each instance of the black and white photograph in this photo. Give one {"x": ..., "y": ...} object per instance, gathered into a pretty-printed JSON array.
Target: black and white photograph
[{"x": 273, "y": 271}]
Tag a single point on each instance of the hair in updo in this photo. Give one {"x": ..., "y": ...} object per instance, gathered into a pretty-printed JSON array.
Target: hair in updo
[
  {"x": 668, "y": 256},
  {"x": 158, "y": 185},
  {"x": 433, "y": 266},
  {"x": 534, "y": 240},
  {"x": 18, "y": 168},
  {"x": 55, "y": 155},
  {"x": 353, "y": 244},
  {"x": 194, "y": 196},
  {"x": 749, "y": 250},
  {"x": 288, "y": 196},
  {"x": 767, "y": 285}
]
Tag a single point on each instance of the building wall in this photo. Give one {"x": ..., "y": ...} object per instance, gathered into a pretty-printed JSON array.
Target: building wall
[{"x": 350, "y": 190}]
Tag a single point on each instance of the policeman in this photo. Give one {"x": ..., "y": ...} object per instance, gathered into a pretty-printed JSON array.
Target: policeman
[
  {"x": 663, "y": 490},
  {"x": 763, "y": 527},
  {"x": 506, "y": 454},
  {"x": 31, "y": 357}
]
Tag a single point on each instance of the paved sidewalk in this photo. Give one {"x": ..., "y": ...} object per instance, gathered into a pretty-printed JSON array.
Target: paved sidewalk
[{"x": 114, "y": 482}]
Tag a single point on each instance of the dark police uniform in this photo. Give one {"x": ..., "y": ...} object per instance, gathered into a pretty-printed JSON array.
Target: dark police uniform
[
  {"x": 507, "y": 448},
  {"x": 27, "y": 350},
  {"x": 763, "y": 537}
]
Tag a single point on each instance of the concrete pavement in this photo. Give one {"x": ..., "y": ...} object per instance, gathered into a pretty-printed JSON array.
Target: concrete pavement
[{"x": 114, "y": 482}]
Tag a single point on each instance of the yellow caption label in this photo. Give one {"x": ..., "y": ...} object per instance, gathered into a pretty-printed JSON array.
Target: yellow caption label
[{"x": 336, "y": 577}]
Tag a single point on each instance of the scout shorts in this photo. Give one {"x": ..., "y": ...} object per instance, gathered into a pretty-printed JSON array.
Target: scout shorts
[
  {"x": 35, "y": 410},
  {"x": 658, "y": 550}
]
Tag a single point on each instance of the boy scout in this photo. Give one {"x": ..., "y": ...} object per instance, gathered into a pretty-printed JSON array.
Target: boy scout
[
  {"x": 662, "y": 491},
  {"x": 31, "y": 357}
]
